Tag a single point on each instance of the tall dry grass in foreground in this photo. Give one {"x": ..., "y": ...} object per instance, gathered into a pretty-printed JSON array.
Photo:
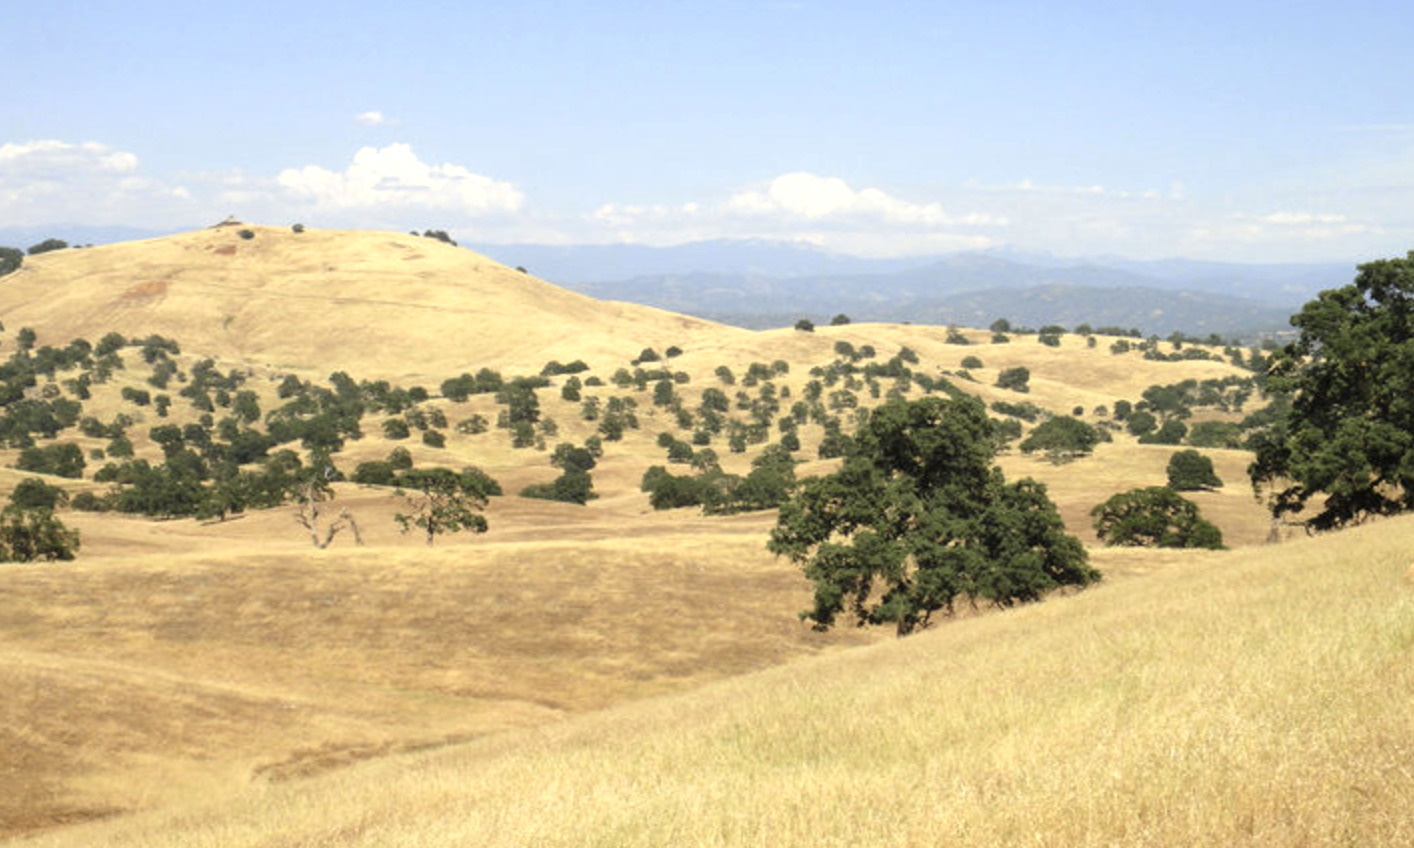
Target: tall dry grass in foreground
[{"x": 1260, "y": 697}]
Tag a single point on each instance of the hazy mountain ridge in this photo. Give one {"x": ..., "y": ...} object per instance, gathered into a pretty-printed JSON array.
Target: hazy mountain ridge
[{"x": 758, "y": 284}]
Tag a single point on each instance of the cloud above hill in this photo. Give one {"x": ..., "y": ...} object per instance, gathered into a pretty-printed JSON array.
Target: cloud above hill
[
  {"x": 394, "y": 176},
  {"x": 802, "y": 206},
  {"x": 62, "y": 180}
]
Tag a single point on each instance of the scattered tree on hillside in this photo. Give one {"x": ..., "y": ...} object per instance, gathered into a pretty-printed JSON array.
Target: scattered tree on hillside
[
  {"x": 1017, "y": 379},
  {"x": 1348, "y": 436},
  {"x": 312, "y": 498},
  {"x": 919, "y": 513},
  {"x": 11, "y": 258},
  {"x": 839, "y": 320},
  {"x": 47, "y": 245},
  {"x": 29, "y": 529},
  {"x": 1156, "y": 516},
  {"x": 805, "y": 325},
  {"x": 1062, "y": 438},
  {"x": 1189, "y": 470},
  {"x": 443, "y": 502}
]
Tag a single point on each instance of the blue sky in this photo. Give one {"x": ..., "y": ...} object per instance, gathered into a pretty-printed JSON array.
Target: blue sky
[{"x": 1239, "y": 130}]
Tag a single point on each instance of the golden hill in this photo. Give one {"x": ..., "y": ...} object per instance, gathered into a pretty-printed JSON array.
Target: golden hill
[
  {"x": 379, "y": 304},
  {"x": 1256, "y": 697},
  {"x": 183, "y": 659}
]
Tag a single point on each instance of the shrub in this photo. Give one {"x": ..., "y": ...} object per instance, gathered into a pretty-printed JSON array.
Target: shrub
[
  {"x": 1062, "y": 438},
  {"x": 971, "y": 362},
  {"x": 1015, "y": 379},
  {"x": 1171, "y": 432},
  {"x": 396, "y": 428},
  {"x": 1156, "y": 516},
  {"x": 246, "y": 234},
  {"x": 1189, "y": 470},
  {"x": 47, "y": 245},
  {"x": 10, "y": 260},
  {"x": 805, "y": 325}
]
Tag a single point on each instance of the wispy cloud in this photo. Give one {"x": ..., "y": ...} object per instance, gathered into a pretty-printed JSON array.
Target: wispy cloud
[
  {"x": 374, "y": 119},
  {"x": 53, "y": 180}
]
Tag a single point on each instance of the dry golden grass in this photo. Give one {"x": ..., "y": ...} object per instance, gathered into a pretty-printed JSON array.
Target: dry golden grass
[
  {"x": 139, "y": 671},
  {"x": 178, "y": 662},
  {"x": 378, "y": 304},
  {"x": 1253, "y": 698}
]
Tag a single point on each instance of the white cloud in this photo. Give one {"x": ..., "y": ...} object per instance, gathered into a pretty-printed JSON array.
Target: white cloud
[
  {"x": 374, "y": 119},
  {"x": 1302, "y": 218},
  {"x": 50, "y": 180},
  {"x": 393, "y": 176},
  {"x": 802, "y": 207},
  {"x": 816, "y": 198}
]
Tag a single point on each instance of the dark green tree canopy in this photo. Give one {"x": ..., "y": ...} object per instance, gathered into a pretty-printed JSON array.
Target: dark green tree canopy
[
  {"x": 918, "y": 516},
  {"x": 1156, "y": 516},
  {"x": 1189, "y": 470},
  {"x": 1349, "y": 435},
  {"x": 1062, "y": 438}
]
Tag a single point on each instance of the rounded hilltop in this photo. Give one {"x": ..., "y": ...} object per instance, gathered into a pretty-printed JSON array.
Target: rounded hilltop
[{"x": 376, "y": 303}]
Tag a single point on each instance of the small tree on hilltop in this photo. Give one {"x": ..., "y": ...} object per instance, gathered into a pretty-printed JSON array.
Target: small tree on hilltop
[
  {"x": 1156, "y": 516},
  {"x": 919, "y": 513},
  {"x": 442, "y": 502},
  {"x": 1189, "y": 470}
]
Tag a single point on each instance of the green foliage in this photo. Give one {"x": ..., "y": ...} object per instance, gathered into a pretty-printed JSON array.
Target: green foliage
[
  {"x": 441, "y": 502},
  {"x": 47, "y": 245},
  {"x": 1001, "y": 325},
  {"x": 34, "y": 493},
  {"x": 1062, "y": 438},
  {"x": 839, "y": 320},
  {"x": 1139, "y": 422},
  {"x": 11, "y": 258},
  {"x": 919, "y": 513},
  {"x": 971, "y": 362},
  {"x": 1025, "y": 410},
  {"x": 27, "y": 535},
  {"x": 1349, "y": 434},
  {"x": 434, "y": 438},
  {"x": 61, "y": 460},
  {"x": 1189, "y": 470},
  {"x": 1171, "y": 432},
  {"x": 396, "y": 428},
  {"x": 1156, "y": 516},
  {"x": 575, "y": 487},
  {"x": 1016, "y": 379},
  {"x": 955, "y": 337},
  {"x": 805, "y": 325},
  {"x": 1215, "y": 434}
]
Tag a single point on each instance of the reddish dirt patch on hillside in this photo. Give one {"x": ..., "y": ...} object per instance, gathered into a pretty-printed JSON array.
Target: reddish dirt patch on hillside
[
  {"x": 145, "y": 291},
  {"x": 228, "y": 250}
]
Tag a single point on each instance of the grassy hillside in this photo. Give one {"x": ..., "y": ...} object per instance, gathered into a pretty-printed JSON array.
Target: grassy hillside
[
  {"x": 181, "y": 660},
  {"x": 378, "y": 304},
  {"x": 1257, "y": 697}
]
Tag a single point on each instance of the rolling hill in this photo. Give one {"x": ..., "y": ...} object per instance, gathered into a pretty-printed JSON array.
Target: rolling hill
[
  {"x": 382, "y": 304},
  {"x": 612, "y": 674}
]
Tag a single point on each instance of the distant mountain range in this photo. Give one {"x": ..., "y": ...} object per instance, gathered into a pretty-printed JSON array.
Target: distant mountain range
[{"x": 759, "y": 284}]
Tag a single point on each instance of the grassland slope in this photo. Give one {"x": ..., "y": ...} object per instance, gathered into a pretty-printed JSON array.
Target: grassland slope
[
  {"x": 1257, "y": 697},
  {"x": 380, "y": 304}
]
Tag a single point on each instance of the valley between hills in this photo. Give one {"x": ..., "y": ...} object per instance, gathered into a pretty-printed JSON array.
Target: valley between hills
[{"x": 607, "y": 673}]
